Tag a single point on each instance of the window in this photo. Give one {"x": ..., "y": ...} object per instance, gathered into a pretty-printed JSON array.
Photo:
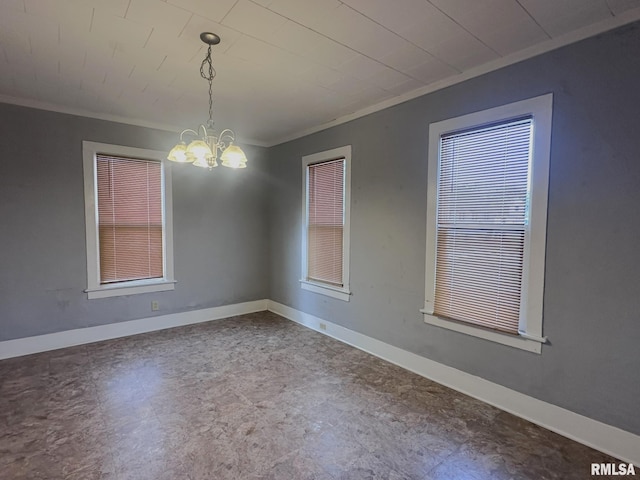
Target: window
[
  {"x": 325, "y": 236},
  {"x": 486, "y": 222},
  {"x": 128, "y": 220}
]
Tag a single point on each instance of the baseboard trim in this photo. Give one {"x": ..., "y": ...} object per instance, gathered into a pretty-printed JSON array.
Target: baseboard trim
[
  {"x": 80, "y": 336},
  {"x": 600, "y": 436}
]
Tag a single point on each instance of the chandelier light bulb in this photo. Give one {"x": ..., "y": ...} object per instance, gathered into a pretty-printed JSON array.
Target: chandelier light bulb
[
  {"x": 234, "y": 157},
  {"x": 179, "y": 153}
]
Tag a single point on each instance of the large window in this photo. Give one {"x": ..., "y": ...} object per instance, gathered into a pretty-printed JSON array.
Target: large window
[
  {"x": 128, "y": 221},
  {"x": 325, "y": 264},
  {"x": 486, "y": 222}
]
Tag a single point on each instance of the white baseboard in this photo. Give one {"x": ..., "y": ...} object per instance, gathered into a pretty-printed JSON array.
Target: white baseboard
[
  {"x": 69, "y": 338},
  {"x": 600, "y": 436}
]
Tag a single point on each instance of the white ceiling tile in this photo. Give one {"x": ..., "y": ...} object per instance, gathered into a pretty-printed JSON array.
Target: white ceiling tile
[
  {"x": 329, "y": 53},
  {"x": 172, "y": 65},
  {"x": 354, "y": 88},
  {"x": 46, "y": 63},
  {"x": 431, "y": 71},
  {"x": 23, "y": 71},
  {"x": 25, "y": 87},
  {"x": 68, "y": 82},
  {"x": 512, "y": 37},
  {"x": 16, "y": 54},
  {"x": 118, "y": 68},
  {"x": 398, "y": 15},
  {"x": 362, "y": 67},
  {"x": 389, "y": 79},
  {"x": 213, "y": 10},
  {"x": 620, "y": 6},
  {"x": 184, "y": 46},
  {"x": 47, "y": 91},
  {"x": 293, "y": 37},
  {"x": 349, "y": 27},
  {"x": 261, "y": 53},
  {"x": 167, "y": 18},
  {"x": 146, "y": 60},
  {"x": 69, "y": 58},
  {"x": 463, "y": 52},
  {"x": 305, "y": 12},
  {"x": 7, "y": 5},
  {"x": 14, "y": 30},
  {"x": 43, "y": 36},
  {"x": 165, "y": 93},
  {"x": 320, "y": 75},
  {"x": 253, "y": 20},
  {"x": 560, "y": 16},
  {"x": 111, "y": 29},
  {"x": 112, "y": 7},
  {"x": 431, "y": 29},
  {"x": 406, "y": 57},
  {"x": 61, "y": 10},
  {"x": 515, "y": 30},
  {"x": 15, "y": 44},
  {"x": 198, "y": 25}
]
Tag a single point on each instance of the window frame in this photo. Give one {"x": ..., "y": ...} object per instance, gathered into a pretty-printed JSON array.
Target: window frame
[
  {"x": 341, "y": 293},
  {"x": 529, "y": 336},
  {"x": 95, "y": 289}
]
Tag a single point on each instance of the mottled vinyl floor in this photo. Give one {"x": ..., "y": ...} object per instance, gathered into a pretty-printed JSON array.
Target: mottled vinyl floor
[{"x": 256, "y": 397}]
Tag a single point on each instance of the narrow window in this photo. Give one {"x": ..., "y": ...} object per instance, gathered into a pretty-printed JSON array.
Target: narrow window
[{"x": 326, "y": 223}]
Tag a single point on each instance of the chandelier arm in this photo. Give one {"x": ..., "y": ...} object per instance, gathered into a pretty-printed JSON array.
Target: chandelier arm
[
  {"x": 228, "y": 133},
  {"x": 188, "y": 130},
  {"x": 204, "y": 131}
]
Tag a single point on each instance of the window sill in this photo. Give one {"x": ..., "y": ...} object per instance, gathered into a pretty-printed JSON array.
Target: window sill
[
  {"x": 532, "y": 344},
  {"x": 130, "y": 288},
  {"x": 335, "y": 292}
]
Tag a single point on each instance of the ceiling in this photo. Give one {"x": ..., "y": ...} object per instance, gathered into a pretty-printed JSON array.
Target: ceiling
[{"x": 284, "y": 67}]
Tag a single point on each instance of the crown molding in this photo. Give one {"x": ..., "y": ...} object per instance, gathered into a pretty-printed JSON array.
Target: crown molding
[{"x": 52, "y": 107}]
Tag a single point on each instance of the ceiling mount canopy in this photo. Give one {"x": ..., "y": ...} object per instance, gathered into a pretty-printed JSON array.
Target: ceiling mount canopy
[{"x": 206, "y": 142}]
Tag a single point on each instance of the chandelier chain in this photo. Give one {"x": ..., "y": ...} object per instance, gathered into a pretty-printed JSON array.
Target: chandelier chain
[{"x": 209, "y": 76}]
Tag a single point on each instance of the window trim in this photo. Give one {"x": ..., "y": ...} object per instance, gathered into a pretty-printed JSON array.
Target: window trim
[
  {"x": 530, "y": 328},
  {"x": 341, "y": 293},
  {"x": 94, "y": 288}
]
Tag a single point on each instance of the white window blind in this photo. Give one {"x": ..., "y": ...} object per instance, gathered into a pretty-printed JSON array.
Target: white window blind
[
  {"x": 482, "y": 213},
  {"x": 325, "y": 222},
  {"x": 130, "y": 220}
]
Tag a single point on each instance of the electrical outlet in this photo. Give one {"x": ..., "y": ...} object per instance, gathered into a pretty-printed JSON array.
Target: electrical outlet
[
  {"x": 154, "y": 306},
  {"x": 323, "y": 326}
]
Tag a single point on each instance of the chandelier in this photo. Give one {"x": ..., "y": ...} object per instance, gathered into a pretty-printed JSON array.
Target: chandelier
[{"x": 206, "y": 143}]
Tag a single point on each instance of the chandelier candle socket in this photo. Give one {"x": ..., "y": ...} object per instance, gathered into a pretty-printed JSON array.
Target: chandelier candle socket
[{"x": 207, "y": 143}]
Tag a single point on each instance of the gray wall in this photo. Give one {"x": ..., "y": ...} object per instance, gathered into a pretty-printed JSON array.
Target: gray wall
[
  {"x": 220, "y": 227},
  {"x": 237, "y": 234},
  {"x": 592, "y": 284}
]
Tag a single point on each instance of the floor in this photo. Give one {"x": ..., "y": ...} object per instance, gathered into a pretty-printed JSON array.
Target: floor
[{"x": 256, "y": 397}]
